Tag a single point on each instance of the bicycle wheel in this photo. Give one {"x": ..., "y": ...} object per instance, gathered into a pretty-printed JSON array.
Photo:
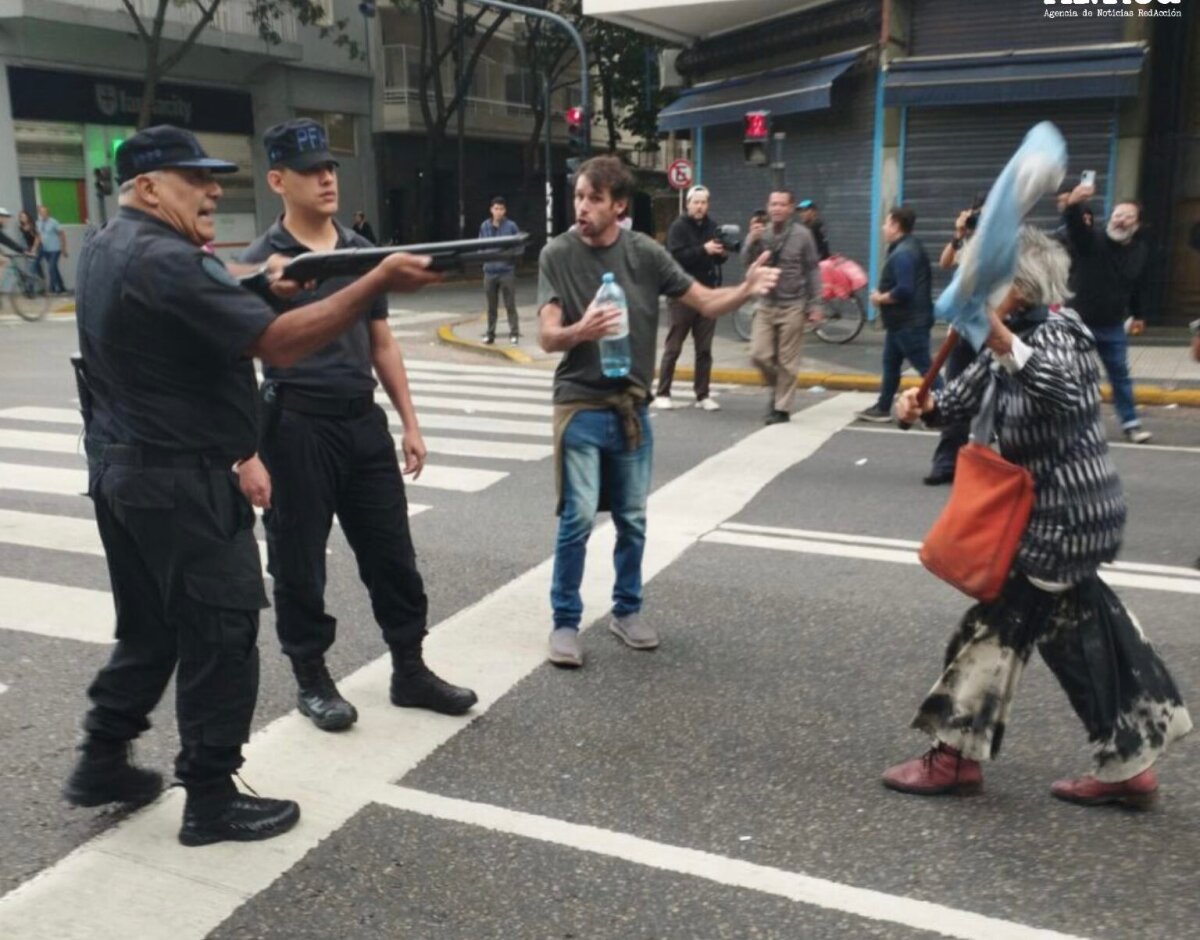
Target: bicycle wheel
[
  {"x": 844, "y": 320},
  {"x": 743, "y": 320},
  {"x": 29, "y": 297}
]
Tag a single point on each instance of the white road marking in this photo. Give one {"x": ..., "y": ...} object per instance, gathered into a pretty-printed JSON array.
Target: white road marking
[
  {"x": 408, "y": 334},
  {"x": 69, "y": 613},
  {"x": 904, "y": 552},
  {"x": 33, "y": 479},
  {"x": 500, "y": 392},
  {"x": 497, "y": 426},
  {"x": 47, "y": 441},
  {"x": 803, "y": 889},
  {"x": 484, "y": 405},
  {"x": 1116, "y": 445},
  {"x": 3, "y": 688},
  {"x": 474, "y": 447},
  {"x": 460, "y": 479},
  {"x": 43, "y": 530},
  {"x": 45, "y": 415},
  {"x": 407, "y": 317},
  {"x": 470, "y": 368},
  {"x": 516, "y": 380},
  {"x": 134, "y": 880}
]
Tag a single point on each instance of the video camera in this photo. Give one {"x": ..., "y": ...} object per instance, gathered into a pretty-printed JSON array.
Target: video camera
[{"x": 730, "y": 237}]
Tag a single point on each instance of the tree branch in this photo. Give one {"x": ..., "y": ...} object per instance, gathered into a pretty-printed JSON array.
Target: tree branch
[
  {"x": 137, "y": 21},
  {"x": 174, "y": 58}
]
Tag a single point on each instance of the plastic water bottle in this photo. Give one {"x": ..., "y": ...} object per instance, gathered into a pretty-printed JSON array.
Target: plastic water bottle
[{"x": 615, "y": 358}]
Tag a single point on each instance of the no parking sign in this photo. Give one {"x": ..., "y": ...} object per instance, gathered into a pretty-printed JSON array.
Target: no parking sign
[{"x": 680, "y": 174}]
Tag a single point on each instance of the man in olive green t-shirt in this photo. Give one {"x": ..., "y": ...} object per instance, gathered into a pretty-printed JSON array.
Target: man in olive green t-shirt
[{"x": 603, "y": 440}]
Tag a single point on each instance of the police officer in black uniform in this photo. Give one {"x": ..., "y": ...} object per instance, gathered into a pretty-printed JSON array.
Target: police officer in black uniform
[
  {"x": 170, "y": 406},
  {"x": 328, "y": 449}
]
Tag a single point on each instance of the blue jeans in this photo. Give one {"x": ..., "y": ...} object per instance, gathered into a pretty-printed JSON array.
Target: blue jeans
[
  {"x": 910, "y": 343},
  {"x": 594, "y": 455},
  {"x": 1113, "y": 347},
  {"x": 56, "y": 285}
]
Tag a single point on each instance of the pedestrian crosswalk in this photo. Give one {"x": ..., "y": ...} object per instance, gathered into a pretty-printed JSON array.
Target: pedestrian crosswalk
[{"x": 479, "y": 422}]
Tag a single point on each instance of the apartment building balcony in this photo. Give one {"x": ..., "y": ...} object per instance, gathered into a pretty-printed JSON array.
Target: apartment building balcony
[
  {"x": 499, "y": 103},
  {"x": 36, "y": 25}
]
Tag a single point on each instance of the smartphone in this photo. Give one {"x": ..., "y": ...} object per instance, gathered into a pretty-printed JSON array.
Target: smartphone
[{"x": 1088, "y": 178}]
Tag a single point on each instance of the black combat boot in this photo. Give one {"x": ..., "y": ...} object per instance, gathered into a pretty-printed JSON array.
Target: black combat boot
[
  {"x": 216, "y": 812},
  {"x": 104, "y": 774},
  {"x": 319, "y": 698},
  {"x": 415, "y": 686}
]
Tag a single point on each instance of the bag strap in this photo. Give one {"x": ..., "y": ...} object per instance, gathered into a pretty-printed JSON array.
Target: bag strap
[{"x": 983, "y": 425}]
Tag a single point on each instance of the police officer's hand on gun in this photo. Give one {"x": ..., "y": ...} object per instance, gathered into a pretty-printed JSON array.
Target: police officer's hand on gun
[
  {"x": 760, "y": 277},
  {"x": 254, "y": 481},
  {"x": 599, "y": 321}
]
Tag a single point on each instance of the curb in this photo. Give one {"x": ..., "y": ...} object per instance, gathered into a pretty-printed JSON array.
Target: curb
[
  {"x": 861, "y": 382},
  {"x": 447, "y": 335},
  {"x": 835, "y": 381}
]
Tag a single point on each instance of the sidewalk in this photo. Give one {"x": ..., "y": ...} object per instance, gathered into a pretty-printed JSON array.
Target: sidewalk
[{"x": 1160, "y": 361}]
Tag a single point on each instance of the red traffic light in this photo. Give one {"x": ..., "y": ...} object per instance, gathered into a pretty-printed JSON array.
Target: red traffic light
[
  {"x": 575, "y": 116},
  {"x": 757, "y": 125}
]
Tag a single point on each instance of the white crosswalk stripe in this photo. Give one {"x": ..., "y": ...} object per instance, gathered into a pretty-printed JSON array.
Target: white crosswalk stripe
[{"x": 494, "y": 417}]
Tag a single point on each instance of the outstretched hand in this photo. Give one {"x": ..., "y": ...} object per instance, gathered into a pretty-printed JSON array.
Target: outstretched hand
[{"x": 761, "y": 278}]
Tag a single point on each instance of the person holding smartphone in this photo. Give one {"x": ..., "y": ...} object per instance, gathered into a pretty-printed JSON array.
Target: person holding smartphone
[{"x": 1108, "y": 277}]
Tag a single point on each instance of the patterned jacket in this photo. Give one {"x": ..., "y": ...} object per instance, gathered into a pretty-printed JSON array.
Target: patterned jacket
[{"x": 1048, "y": 421}]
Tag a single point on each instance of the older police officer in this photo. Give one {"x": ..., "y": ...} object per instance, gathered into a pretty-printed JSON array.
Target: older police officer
[
  {"x": 170, "y": 407},
  {"x": 328, "y": 449}
]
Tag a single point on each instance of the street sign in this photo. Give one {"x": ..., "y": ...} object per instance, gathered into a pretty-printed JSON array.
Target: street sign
[{"x": 680, "y": 174}]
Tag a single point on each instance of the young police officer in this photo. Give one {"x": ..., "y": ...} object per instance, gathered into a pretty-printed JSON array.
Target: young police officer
[
  {"x": 170, "y": 406},
  {"x": 328, "y": 449}
]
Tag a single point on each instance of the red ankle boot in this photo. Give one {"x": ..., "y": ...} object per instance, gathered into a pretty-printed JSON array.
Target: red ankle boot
[
  {"x": 1137, "y": 791},
  {"x": 940, "y": 770}
]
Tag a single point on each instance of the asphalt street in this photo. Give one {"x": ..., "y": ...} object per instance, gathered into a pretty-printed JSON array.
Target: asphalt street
[{"x": 725, "y": 785}]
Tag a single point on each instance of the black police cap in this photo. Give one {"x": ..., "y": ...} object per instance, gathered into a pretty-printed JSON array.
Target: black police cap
[
  {"x": 299, "y": 144},
  {"x": 164, "y": 147}
]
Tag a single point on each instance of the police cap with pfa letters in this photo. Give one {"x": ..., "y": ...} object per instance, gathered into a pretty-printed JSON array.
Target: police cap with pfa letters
[{"x": 299, "y": 145}]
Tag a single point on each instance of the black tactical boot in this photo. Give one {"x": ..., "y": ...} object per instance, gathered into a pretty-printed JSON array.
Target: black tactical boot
[
  {"x": 216, "y": 812},
  {"x": 319, "y": 698},
  {"x": 415, "y": 686},
  {"x": 104, "y": 774}
]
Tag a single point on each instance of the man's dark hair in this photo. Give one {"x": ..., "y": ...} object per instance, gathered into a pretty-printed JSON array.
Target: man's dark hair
[
  {"x": 905, "y": 217},
  {"x": 498, "y": 201},
  {"x": 609, "y": 173},
  {"x": 787, "y": 192}
]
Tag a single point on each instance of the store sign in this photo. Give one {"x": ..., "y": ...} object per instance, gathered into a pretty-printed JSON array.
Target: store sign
[{"x": 43, "y": 95}]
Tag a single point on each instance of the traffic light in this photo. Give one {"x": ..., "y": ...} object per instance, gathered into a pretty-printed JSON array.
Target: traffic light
[
  {"x": 104, "y": 180},
  {"x": 576, "y": 129},
  {"x": 756, "y": 138}
]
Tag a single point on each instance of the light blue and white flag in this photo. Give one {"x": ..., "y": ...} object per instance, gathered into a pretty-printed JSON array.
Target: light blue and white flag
[{"x": 1037, "y": 168}]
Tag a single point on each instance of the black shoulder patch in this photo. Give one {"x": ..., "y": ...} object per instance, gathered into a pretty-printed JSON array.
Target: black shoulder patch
[{"x": 215, "y": 269}]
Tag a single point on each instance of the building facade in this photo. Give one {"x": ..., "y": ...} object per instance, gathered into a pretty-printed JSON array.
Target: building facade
[
  {"x": 923, "y": 101},
  {"x": 71, "y": 88}
]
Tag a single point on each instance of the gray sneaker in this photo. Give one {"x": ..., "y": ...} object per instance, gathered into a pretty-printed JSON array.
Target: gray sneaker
[
  {"x": 565, "y": 649},
  {"x": 633, "y": 632}
]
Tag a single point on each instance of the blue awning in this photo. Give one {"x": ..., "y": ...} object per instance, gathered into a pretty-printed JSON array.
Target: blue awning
[
  {"x": 787, "y": 90},
  {"x": 1109, "y": 71}
]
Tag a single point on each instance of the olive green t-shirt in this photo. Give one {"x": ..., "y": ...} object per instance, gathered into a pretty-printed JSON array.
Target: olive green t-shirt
[{"x": 569, "y": 273}]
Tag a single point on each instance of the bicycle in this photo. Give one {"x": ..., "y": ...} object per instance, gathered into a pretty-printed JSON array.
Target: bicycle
[
  {"x": 25, "y": 290},
  {"x": 842, "y": 283}
]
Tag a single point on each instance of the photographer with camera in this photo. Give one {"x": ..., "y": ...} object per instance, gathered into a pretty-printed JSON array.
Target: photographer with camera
[
  {"x": 964, "y": 229},
  {"x": 695, "y": 241},
  {"x": 778, "y": 334}
]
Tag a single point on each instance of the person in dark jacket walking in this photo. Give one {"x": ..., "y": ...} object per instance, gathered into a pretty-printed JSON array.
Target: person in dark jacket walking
[
  {"x": 500, "y": 277},
  {"x": 810, "y": 216},
  {"x": 1108, "y": 278},
  {"x": 692, "y": 241},
  {"x": 905, "y": 302},
  {"x": 362, "y": 228}
]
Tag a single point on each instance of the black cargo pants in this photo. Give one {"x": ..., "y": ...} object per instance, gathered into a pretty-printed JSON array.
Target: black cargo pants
[
  {"x": 322, "y": 464},
  {"x": 187, "y": 585}
]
